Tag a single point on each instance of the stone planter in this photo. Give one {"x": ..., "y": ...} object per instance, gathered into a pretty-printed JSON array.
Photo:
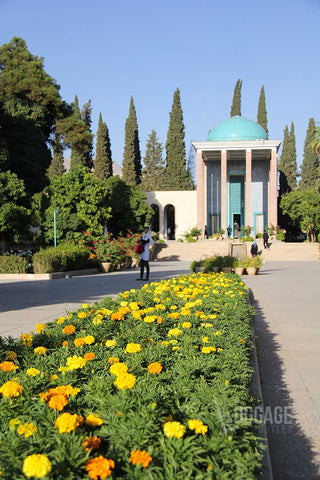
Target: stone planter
[
  {"x": 215, "y": 269},
  {"x": 252, "y": 270},
  {"x": 199, "y": 269},
  {"x": 226, "y": 269},
  {"x": 239, "y": 270},
  {"x": 106, "y": 267}
]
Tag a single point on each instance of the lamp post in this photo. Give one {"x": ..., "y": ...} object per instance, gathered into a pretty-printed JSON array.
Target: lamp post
[{"x": 55, "y": 211}]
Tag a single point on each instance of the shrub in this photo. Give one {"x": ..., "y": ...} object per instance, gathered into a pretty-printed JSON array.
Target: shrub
[
  {"x": 194, "y": 264},
  {"x": 280, "y": 236},
  {"x": 248, "y": 239},
  {"x": 318, "y": 238},
  {"x": 64, "y": 257},
  {"x": 259, "y": 235},
  {"x": 12, "y": 264}
]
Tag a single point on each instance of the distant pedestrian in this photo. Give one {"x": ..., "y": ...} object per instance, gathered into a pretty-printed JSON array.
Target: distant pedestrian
[
  {"x": 254, "y": 249},
  {"x": 229, "y": 231},
  {"x": 265, "y": 237},
  {"x": 205, "y": 231},
  {"x": 147, "y": 241}
]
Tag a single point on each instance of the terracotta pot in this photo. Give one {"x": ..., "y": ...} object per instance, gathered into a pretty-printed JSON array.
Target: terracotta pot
[
  {"x": 239, "y": 270},
  {"x": 251, "y": 270},
  {"x": 106, "y": 267}
]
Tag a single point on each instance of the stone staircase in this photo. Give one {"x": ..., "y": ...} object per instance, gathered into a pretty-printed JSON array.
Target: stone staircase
[{"x": 279, "y": 251}]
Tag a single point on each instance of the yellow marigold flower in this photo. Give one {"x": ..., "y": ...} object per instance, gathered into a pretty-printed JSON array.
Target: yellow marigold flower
[
  {"x": 198, "y": 426},
  {"x": 118, "y": 368},
  {"x": 36, "y": 465},
  {"x": 65, "y": 343},
  {"x": 174, "y": 315},
  {"x": 174, "y": 332},
  {"x": 74, "y": 363},
  {"x": 110, "y": 343},
  {"x": 186, "y": 325},
  {"x": 155, "y": 367},
  {"x": 174, "y": 429},
  {"x": 113, "y": 360},
  {"x": 27, "y": 339},
  {"x": 14, "y": 422},
  {"x": 79, "y": 342},
  {"x": 205, "y": 339},
  {"x": 89, "y": 356},
  {"x": 85, "y": 305},
  {"x": 10, "y": 355},
  {"x": 136, "y": 314},
  {"x": 150, "y": 318},
  {"x": 125, "y": 380},
  {"x": 140, "y": 457},
  {"x": 54, "y": 377},
  {"x": 27, "y": 429},
  {"x": 67, "y": 423},
  {"x": 173, "y": 307},
  {"x": 160, "y": 306},
  {"x": 165, "y": 343},
  {"x": 8, "y": 367},
  {"x": 92, "y": 443},
  {"x": 33, "y": 372},
  {"x": 40, "y": 327},
  {"x": 124, "y": 310},
  {"x": 11, "y": 389},
  {"x": 40, "y": 350},
  {"x": 82, "y": 315},
  {"x": 208, "y": 349},
  {"x": 242, "y": 341},
  {"x": 133, "y": 348},
  {"x": 175, "y": 348},
  {"x": 227, "y": 382},
  {"x": 219, "y": 349},
  {"x": 60, "y": 320},
  {"x": 206, "y": 325},
  {"x": 185, "y": 312},
  {"x": 69, "y": 329},
  {"x": 174, "y": 342},
  {"x": 93, "y": 420},
  {"x": 99, "y": 468},
  {"x": 89, "y": 339},
  {"x": 97, "y": 319},
  {"x": 123, "y": 304}
]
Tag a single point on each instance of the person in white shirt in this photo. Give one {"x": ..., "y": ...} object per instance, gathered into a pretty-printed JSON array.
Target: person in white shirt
[{"x": 145, "y": 255}]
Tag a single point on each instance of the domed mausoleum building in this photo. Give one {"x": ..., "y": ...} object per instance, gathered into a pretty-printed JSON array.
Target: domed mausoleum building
[
  {"x": 236, "y": 184},
  {"x": 237, "y": 177}
]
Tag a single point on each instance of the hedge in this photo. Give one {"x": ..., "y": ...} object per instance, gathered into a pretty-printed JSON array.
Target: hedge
[
  {"x": 62, "y": 258},
  {"x": 12, "y": 264}
]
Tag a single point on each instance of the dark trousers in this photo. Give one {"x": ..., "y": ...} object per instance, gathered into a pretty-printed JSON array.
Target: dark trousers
[{"x": 144, "y": 264}]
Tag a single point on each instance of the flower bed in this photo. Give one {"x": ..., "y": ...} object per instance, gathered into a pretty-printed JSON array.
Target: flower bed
[{"x": 145, "y": 386}]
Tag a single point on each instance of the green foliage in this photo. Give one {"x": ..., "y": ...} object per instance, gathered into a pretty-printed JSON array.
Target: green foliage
[
  {"x": 236, "y": 101},
  {"x": 103, "y": 161},
  {"x": 280, "y": 236},
  {"x": 131, "y": 164},
  {"x": 85, "y": 116},
  {"x": 310, "y": 164},
  {"x": 57, "y": 164},
  {"x": 153, "y": 173},
  {"x": 262, "y": 119},
  {"x": 288, "y": 162},
  {"x": 12, "y": 264},
  {"x": 177, "y": 177},
  {"x": 63, "y": 258},
  {"x": 303, "y": 207},
  {"x": 192, "y": 235}
]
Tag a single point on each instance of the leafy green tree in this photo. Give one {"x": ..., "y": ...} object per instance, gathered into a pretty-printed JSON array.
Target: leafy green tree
[
  {"x": 262, "y": 119},
  {"x": 310, "y": 164},
  {"x": 82, "y": 201},
  {"x": 131, "y": 165},
  {"x": 30, "y": 104},
  {"x": 129, "y": 207},
  {"x": 103, "y": 168},
  {"x": 57, "y": 164},
  {"x": 152, "y": 174},
  {"x": 176, "y": 177},
  {"x": 303, "y": 207},
  {"x": 14, "y": 216},
  {"x": 236, "y": 101}
]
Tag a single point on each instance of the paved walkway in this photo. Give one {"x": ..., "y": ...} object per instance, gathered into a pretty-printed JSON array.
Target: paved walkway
[{"x": 287, "y": 298}]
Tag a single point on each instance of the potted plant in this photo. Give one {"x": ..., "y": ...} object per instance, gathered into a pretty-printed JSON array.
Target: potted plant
[
  {"x": 240, "y": 264},
  {"x": 227, "y": 263},
  {"x": 254, "y": 265}
]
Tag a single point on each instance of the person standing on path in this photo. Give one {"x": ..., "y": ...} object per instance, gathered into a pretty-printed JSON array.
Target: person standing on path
[
  {"x": 265, "y": 237},
  {"x": 145, "y": 255}
]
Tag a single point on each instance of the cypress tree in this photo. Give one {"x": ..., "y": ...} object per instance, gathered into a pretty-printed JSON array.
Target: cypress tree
[
  {"x": 292, "y": 166},
  {"x": 131, "y": 165},
  {"x": 262, "y": 119},
  {"x": 284, "y": 186},
  {"x": 103, "y": 161},
  {"x": 85, "y": 116},
  {"x": 288, "y": 162},
  {"x": 57, "y": 164},
  {"x": 310, "y": 163},
  {"x": 177, "y": 177},
  {"x": 236, "y": 101},
  {"x": 152, "y": 174}
]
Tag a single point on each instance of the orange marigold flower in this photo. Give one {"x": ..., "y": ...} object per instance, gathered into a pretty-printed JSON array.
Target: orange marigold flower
[
  {"x": 99, "y": 468},
  {"x": 89, "y": 356},
  {"x": 155, "y": 367},
  {"x": 8, "y": 366},
  {"x": 65, "y": 343},
  {"x": 58, "y": 402},
  {"x": 91, "y": 442},
  {"x": 67, "y": 422},
  {"x": 79, "y": 342},
  {"x": 117, "y": 316},
  {"x": 140, "y": 457},
  {"x": 69, "y": 329},
  {"x": 113, "y": 360},
  {"x": 40, "y": 350},
  {"x": 93, "y": 421}
]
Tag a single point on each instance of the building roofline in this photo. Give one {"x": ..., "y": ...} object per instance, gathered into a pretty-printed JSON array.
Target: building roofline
[{"x": 237, "y": 145}]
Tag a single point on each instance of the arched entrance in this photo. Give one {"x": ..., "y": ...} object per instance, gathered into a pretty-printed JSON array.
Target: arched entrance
[
  {"x": 155, "y": 218},
  {"x": 169, "y": 222}
]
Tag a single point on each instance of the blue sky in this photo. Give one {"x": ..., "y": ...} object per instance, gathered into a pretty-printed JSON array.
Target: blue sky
[{"x": 108, "y": 51}]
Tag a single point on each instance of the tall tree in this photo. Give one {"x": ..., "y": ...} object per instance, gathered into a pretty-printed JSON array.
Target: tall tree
[
  {"x": 262, "y": 119},
  {"x": 152, "y": 174},
  {"x": 31, "y": 104},
  {"x": 236, "y": 101},
  {"x": 177, "y": 177},
  {"x": 288, "y": 162},
  {"x": 292, "y": 170},
  {"x": 85, "y": 115},
  {"x": 283, "y": 164},
  {"x": 131, "y": 165},
  {"x": 103, "y": 162},
  {"x": 310, "y": 163},
  {"x": 57, "y": 164}
]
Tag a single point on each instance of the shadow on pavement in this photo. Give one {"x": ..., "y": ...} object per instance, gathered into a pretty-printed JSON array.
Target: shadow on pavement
[{"x": 290, "y": 450}]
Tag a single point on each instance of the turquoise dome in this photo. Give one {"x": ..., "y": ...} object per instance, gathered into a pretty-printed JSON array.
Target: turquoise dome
[{"x": 237, "y": 128}]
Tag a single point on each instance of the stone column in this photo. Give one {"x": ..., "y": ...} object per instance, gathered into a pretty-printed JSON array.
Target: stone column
[
  {"x": 200, "y": 193},
  {"x": 224, "y": 189},
  {"x": 273, "y": 189},
  {"x": 248, "y": 212}
]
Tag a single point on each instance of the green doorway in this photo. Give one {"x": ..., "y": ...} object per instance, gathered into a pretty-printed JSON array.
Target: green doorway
[{"x": 236, "y": 203}]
